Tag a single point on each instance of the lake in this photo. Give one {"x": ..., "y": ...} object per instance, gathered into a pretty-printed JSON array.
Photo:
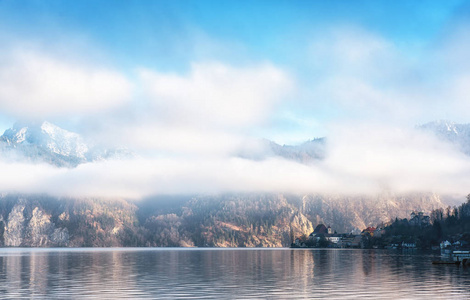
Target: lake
[{"x": 207, "y": 273}]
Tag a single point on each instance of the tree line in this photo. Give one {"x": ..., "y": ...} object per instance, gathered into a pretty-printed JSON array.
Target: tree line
[{"x": 451, "y": 224}]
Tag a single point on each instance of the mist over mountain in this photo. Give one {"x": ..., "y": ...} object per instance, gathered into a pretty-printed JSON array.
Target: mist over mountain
[
  {"x": 46, "y": 142},
  {"x": 306, "y": 152},
  {"x": 225, "y": 219},
  {"x": 451, "y": 132},
  {"x": 448, "y": 132}
]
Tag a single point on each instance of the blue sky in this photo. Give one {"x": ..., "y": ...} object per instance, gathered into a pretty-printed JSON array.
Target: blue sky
[
  {"x": 191, "y": 83},
  {"x": 169, "y": 36},
  {"x": 163, "y": 34}
]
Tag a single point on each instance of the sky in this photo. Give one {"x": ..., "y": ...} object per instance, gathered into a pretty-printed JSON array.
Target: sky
[{"x": 185, "y": 84}]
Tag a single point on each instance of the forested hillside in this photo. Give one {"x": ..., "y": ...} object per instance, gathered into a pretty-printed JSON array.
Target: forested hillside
[{"x": 230, "y": 220}]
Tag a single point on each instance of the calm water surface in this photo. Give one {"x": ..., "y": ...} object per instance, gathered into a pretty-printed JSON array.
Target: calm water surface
[{"x": 174, "y": 273}]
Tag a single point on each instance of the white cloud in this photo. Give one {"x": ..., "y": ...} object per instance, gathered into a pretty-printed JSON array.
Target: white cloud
[
  {"x": 210, "y": 111},
  {"x": 181, "y": 140},
  {"x": 397, "y": 159},
  {"x": 354, "y": 51},
  {"x": 364, "y": 76},
  {"x": 138, "y": 178},
  {"x": 214, "y": 94},
  {"x": 36, "y": 85},
  {"x": 361, "y": 160}
]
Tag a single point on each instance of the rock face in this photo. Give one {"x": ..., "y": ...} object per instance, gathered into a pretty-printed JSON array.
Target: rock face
[
  {"x": 14, "y": 229},
  {"x": 237, "y": 220},
  {"x": 39, "y": 228},
  {"x": 40, "y": 221},
  {"x": 32, "y": 228}
]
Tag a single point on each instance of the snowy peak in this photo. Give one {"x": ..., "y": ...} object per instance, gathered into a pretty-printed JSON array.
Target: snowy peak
[
  {"x": 16, "y": 136},
  {"x": 49, "y": 143},
  {"x": 63, "y": 142},
  {"x": 48, "y": 136}
]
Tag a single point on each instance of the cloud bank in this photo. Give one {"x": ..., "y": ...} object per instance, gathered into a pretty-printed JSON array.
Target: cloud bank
[
  {"x": 37, "y": 86},
  {"x": 360, "y": 160}
]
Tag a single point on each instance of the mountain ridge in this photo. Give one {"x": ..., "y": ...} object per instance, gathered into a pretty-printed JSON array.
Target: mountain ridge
[{"x": 228, "y": 220}]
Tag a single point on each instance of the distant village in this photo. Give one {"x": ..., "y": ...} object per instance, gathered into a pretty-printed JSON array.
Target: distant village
[
  {"x": 325, "y": 237},
  {"x": 420, "y": 231}
]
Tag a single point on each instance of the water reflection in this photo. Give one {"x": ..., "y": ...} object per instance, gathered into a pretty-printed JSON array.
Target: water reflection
[{"x": 226, "y": 273}]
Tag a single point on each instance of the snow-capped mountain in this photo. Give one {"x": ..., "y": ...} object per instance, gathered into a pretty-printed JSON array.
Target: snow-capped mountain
[
  {"x": 47, "y": 136},
  {"x": 457, "y": 134},
  {"x": 46, "y": 142},
  {"x": 305, "y": 153}
]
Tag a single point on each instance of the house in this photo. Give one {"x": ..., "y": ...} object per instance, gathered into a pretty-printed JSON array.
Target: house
[
  {"x": 356, "y": 242},
  {"x": 445, "y": 244},
  {"x": 299, "y": 243},
  {"x": 329, "y": 230},
  {"x": 368, "y": 230},
  {"x": 333, "y": 238},
  {"x": 356, "y": 231},
  {"x": 320, "y": 229},
  {"x": 347, "y": 240}
]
